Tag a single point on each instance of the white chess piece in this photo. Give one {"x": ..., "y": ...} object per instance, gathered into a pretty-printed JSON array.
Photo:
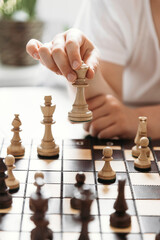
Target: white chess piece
[
  {"x": 48, "y": 148},
  {"x": 143, "y": 162},
  {"x": 11, "y": 181},
  {"x": 107, "y": 173}
]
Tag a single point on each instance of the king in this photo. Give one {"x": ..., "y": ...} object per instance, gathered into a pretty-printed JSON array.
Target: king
[{"x": 48, "y": 148}]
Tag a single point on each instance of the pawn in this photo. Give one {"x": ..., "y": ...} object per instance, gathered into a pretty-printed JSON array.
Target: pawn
[
  {"x": 120, "y": 219},
  {"x": 16, "y": 148},
  {"x": 142, "y": 162},
  {"x": 39, "y": 205},
  {"x": 107, "y": 175},
  {"x": 80, "y": 179},
  {"x": 11, "y": 181}
]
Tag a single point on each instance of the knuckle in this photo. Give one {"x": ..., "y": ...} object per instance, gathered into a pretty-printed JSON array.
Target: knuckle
[{"x": 57, "y": 51}]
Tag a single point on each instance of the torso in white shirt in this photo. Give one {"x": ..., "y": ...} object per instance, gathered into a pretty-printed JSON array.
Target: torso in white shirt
[{"x": 124, "y": 33}]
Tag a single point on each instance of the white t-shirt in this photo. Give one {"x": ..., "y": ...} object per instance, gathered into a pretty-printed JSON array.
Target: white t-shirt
[{"x": 124, "y": 33}]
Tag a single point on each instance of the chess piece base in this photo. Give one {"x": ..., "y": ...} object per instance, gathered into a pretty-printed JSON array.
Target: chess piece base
[
  {"x": 120, "y": 220},
  {"x": 5, "y": 201},
  {"x": 103, "y": 178},
  {"x": 135, "y": 151},
  {"x": 157, "y": 237},
  {"x": 140, "y": 165},
  {"x": 80, "y": 117},
  {"x": 16, "y": 151},
  {"x": 12, "y": 184},
  {"x": 48, "y": 152},
  {"x": 75, "y": 203},
  {"x": 41, "y": 234}
]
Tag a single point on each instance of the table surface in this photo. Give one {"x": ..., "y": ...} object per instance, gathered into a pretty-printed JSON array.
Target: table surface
[{"x": 26, "y": 102}]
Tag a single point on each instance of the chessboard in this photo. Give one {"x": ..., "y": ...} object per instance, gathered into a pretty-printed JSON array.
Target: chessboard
[{"x": 142, "y": 191}]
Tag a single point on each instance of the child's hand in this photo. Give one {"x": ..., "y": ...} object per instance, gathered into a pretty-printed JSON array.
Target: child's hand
[
  {"x": 111, "y": 118},
  {"x": 64, "y": 54}
]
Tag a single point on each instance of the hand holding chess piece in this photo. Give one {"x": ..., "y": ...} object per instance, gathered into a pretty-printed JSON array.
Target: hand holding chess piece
[{"x": 80, "y": 111}]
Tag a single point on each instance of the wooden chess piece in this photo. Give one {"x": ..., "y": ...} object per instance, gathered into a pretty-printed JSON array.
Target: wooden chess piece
[
  {"x": 5, "y": 197},
  {"x": 86, "y": 197},
  {"x": 141, "y": 132},
  {"x": 16, "y": 148},
  {"x": 39, "y": 205},
  {"x": 11, "y": 181},
  {"x": 80, "y": 179},
  {"x": 48, "y": 148},
  {"x": 143, "y": 162},
  {"x": 107, "y": 175},
  {"x": 80, "y": 111},
  {"x": 120, "y": 219}
]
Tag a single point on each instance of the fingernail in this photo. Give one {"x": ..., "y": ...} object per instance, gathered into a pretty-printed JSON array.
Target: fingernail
[
  {"x": 75, "y": 64},
  {"x": 71, "y": 77},
  {"x": 36, "y": 55}
]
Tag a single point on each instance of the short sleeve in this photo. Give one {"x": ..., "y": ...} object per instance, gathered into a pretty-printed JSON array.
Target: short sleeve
[{"x": 108, "y": 24}]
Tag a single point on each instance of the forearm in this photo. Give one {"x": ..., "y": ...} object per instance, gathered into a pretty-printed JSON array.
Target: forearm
[{"x": 153, "y": 119}]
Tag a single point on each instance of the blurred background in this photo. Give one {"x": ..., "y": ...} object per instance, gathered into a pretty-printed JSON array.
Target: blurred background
[{"x": 21, "y": 20}]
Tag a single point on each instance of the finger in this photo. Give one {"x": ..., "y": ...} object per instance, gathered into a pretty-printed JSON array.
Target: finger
[
  {"x": 46, "y": 58},
  {"x": 96, "y": 102},
  {"x": 32, "y": 48},
  {"x": 101, "y": 111},
  {"x": 98, "y": 125},
  {"x": 74, "y": 41},
  {"x": 60, "y": 58},
  {"x": 110, "y": 132},
  {"x": 92, "y": 60}
]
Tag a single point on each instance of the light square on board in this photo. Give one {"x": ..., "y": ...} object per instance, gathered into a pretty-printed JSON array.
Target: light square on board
[
  {"x": 54, "y": 165},
  {"x": 70, "y": 177},
  {"x": 52, "y": 190},
  {"x": 149, "y": 224},
  {"x": 117, "y": 166},
  {"x": 20, "y": 192},
  {"x": 54, "y": 222},
  {"x": 111, "y": 191},
  {"x": 106, "y": 228},
  {"x": 20, "y": 175},
  {"x": 76, "y": 153},
  {"x": 49, "y": 177},
  {"x": 148, "y": 207},
  {"x": 149, "y": 236},
  {"x": 17, "y": 204},
  {"x": 73, "y": 236},
  {"x": 72, "y": 224},
  {"x": 100, "y": 147},
  {"x": 68, "y": 210},
  {"x": 9, "y": 235},
  {"x": 145, "y": 178},
  {"x": 10, "y": 222},
  {"x": 129, "y": 157}
]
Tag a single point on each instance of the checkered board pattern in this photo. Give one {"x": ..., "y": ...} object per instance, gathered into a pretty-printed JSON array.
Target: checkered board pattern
[{"x": 142, "y": 191}]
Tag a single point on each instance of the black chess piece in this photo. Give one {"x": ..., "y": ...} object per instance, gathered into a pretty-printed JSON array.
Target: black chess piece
[
  {"x": 86, "y": 197},
  {"x": 80, "y": 179},
  {"x": 157, "y": 236},
  {"x": 39, "y": 205},
  {"x": 5, "y": 197},
  {"x": 120, "y": 219}
]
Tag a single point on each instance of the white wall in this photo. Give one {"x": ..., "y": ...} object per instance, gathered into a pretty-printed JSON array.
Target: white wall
[{"x": 58, "y": 14}]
